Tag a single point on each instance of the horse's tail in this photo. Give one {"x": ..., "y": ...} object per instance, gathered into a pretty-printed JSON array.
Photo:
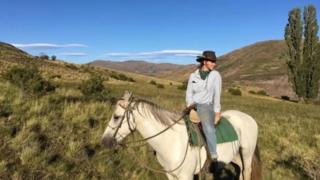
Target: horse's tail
[{"x": 256, "y": 168}]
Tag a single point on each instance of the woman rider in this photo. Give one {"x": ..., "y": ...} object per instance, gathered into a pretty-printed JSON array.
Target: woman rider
[{"x": 203, "y": 93}]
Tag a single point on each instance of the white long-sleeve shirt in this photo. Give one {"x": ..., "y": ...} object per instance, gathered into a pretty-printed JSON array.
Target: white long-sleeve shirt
[{"x": 204, "y": 91}]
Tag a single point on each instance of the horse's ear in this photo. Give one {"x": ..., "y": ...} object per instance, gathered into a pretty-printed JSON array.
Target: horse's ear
[{"x": 127, "y": 95}]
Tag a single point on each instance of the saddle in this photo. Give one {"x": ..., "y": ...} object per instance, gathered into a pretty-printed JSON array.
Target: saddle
[{"x": 224, "y": 130}]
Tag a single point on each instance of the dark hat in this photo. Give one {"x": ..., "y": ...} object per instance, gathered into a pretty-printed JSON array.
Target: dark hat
[{"x": 207, "y": 55}]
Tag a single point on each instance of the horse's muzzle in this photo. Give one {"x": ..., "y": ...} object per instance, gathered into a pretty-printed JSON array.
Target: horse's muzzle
[{"x": 108, "y": 142}]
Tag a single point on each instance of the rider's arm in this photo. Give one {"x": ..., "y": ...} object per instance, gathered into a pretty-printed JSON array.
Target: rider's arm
[{"x": 189, "y": 94}]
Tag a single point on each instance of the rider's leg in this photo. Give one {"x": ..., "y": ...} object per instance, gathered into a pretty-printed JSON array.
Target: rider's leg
[{"x": 206, "y": 115}]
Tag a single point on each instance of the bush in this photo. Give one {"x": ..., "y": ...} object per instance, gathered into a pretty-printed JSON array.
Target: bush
[
  {"x": 5, "y": 110},
  {"x": 29, "y": 79},
  {"x": 44, "y": 56},
  {"x": 252, "y": 92},
  {"x": 262, "y": 92},
  {"x": 131, "y": 80},
  {"x": 235, "y": 91},
  {"x": 286, "y": 98},
  {"x": 123, "y": 77},
  {"x": 160, "y": 86},
  {"x": 184, "y": 85},
  {"x": 71, "y": 66},
  {"x": 94, "y": 89},
  {"x": 114, "y": 75},
  {"x": 53, "y": 58},
  {"x": 153, "y": 82}
]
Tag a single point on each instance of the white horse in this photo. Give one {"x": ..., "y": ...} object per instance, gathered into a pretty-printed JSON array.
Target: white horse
[{"x": 169, "y": 138}]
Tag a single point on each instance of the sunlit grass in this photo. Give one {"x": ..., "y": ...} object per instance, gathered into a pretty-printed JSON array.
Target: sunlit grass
[{"x": 57, "y": 136}]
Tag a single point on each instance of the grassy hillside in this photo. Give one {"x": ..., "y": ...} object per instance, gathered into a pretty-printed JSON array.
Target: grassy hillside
[
  {"x": 57, "y": 136},
  {"x": 141, "y": 67},
  {"x": 262, "y": 65},
  {"x": 259, "y": 61},
  {"x": 61, "y": 71}
]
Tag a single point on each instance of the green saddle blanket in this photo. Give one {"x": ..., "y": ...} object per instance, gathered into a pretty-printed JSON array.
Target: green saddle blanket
[{"x": 224, "y": 132}]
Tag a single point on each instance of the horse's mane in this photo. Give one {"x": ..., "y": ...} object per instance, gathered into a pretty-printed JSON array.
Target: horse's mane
[{"x": 165, "y": 117}]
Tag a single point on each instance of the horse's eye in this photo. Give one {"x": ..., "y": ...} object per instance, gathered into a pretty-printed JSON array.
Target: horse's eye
[{"x": 116, "y": 118}]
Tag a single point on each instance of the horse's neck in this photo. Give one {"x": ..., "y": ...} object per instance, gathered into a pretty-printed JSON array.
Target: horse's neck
[{"x": 164, "y": 143}]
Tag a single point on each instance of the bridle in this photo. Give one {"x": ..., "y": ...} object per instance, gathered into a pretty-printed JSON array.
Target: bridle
[{"x": 128, "y": 111}]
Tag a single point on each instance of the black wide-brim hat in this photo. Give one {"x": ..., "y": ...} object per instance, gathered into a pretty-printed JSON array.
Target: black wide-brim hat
[{"x": 207, "y": 55}]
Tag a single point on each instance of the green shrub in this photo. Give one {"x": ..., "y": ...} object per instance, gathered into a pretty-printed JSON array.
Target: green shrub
[
  {"x": 114, "y": 75},
  {"x": 153, "y": 82},
  {"x": 123, "y": 77},
  {"x": 184, "y": 85},
  {"x": 71, "y": 66},
  {"x": 53, "y": 58},
  {"x": 286, "y": 98},
  {"x": 5, "y": 110},
  {"x": 160, "y": 86},
  {"x": 29, "y": 79},
  {"x": 93, "y": 89},
  {"x": 235, "y": 91},
  {"x": 262, "y": 92},
  {"x": 131, "y": 79},
  {"x": 44, "y": 56}
]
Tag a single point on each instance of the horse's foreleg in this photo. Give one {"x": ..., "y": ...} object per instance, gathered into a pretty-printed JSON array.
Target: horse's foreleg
[
  {"x": 247, "y": 169},
  {"x": 238, "y": 162}
]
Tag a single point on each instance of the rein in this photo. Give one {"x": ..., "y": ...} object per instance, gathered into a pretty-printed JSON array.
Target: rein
[{"x": 129, "y": 112}]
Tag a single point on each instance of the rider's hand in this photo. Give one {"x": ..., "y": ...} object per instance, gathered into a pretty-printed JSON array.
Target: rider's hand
[
  {"x": 188, "y": 109},
  {"x": 217, "y": 118}
]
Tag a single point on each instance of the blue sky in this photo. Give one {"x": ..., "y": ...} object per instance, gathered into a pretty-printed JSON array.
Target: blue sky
[{"x": 154, "y": 30}]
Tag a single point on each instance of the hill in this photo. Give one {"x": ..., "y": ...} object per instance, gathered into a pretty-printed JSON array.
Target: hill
[
  {"x": 141, "y": 67},
  {"x": 59, "y": 70},
  {"x": 261, "y": 65}
]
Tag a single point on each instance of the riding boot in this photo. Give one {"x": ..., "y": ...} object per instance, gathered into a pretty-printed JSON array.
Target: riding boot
[{"x": 212, "y": 165}]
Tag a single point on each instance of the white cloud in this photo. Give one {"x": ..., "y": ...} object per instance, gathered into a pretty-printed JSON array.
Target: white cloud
[
  {"x": 47, "y": 45},
  {"x": 72, "y": 54},
  {"x": 155, "y": 54}
]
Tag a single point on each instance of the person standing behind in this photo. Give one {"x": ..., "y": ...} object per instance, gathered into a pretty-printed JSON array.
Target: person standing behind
[{"x": 203, "y": 93}]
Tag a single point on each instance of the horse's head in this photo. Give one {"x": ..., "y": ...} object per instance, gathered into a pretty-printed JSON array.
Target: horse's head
[{"x": 122, "y": 122}]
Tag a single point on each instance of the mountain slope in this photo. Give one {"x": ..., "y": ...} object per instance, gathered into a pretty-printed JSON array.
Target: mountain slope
[
  {"x": 259, "y": 61},
  {"x": 142, "y": 67},
  {"x": 262, "y": 65},
  {"x": 11, "y": 56}
]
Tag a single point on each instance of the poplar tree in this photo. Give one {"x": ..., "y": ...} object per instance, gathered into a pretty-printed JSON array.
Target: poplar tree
[
  {"x": 310, "y": 49},
  {"x": 303, "y": 49}
]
